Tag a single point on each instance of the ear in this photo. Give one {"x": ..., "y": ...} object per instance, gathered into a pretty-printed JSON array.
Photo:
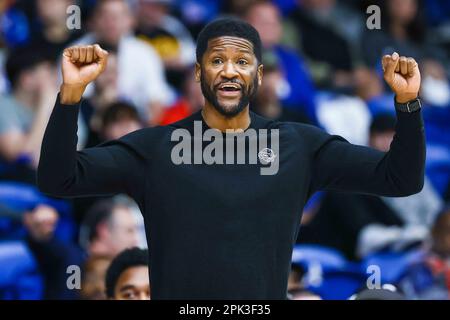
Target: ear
[
  {"x": 260, "y": 74},
  {"x": 198, "y": 72}
]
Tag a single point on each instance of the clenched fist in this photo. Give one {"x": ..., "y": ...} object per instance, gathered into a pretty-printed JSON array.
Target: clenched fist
[
  {"x": 402, "y": 75},
  {"x": 80, "y": 66}
]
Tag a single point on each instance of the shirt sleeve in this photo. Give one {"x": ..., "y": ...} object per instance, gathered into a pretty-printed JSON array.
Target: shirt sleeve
[
  {"x": 110, "y": 168},
  {"x": 341, "y": 166}
]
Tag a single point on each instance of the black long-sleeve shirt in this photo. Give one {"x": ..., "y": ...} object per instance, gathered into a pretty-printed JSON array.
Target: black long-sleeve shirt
[{"x": 219, "y": 230}]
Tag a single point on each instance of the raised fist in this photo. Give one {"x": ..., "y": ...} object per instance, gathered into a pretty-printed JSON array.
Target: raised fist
[
  {"x": 402, "y": 75},
  {"x": 80, "y": 66},
  {"x": 83, "y": 64}
]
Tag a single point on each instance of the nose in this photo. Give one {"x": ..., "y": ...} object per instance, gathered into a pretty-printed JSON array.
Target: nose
[{"x": 229, "y": 71}]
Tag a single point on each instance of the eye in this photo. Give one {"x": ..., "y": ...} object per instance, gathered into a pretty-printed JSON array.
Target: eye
[
  {"x": 129, "y": 295},
  {"x": 242, "y": 62},
  {"x": 217, "y": 61}
]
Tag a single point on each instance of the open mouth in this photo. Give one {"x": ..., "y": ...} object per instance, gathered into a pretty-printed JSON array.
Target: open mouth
[{"x": 229, "y": 87}]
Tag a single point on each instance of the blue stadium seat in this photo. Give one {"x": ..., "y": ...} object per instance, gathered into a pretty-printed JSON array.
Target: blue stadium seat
[
  {"x": 19, "y": 274},
  {"x": 328, "y": 273},
  {"x": 339, "y": 284},
  {"x": 328, "y": 258},
  {"x": 393, "y": 265},
  {"x": 16, "y": 198}
]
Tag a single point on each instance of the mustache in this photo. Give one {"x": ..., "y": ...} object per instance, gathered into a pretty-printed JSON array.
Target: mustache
[{"x": 235, "y": 81}]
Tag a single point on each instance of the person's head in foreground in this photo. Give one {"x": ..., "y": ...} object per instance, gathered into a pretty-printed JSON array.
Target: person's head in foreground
[
  {"x": 386, "y": 292},
  {"x": 229, "y": 65},
  {"x": 127, "y": 278}
]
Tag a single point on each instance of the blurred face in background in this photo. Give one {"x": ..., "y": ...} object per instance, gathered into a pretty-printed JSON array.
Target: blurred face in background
[
  {"x": 37, "y": 78},
  {"x": 120, "y": 233},
  {"x": 151, "y": 13},
  {"x": 53, "y": 11},
  {"x": 402, "y": 11},
  {"x": 367, "y": 83},
  {"x": 112, "y": 21},
  {"x": 265, "y": 17},
  {"x": 120, "y": 128},
  {"x": 133, "y": 284},
  {"x": 268, "y": 92},
  {"x": 193, "y": 92},
  {"x": 317, "y": 4},
  {"x": 107, "y": 84},
  {"x": 435, "y": 87}
]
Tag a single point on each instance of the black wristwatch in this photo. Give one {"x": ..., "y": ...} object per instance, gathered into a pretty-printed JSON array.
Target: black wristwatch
[{"x": 409, "y": 107}]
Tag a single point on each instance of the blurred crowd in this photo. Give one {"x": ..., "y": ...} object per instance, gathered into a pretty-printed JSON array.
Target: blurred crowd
[{"x": 322, "y": 66}]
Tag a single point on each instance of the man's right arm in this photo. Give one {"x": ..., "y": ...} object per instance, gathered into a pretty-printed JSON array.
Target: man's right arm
[
  {"x": 65, "y": 172},
  {"x": 104, "y": 170}
]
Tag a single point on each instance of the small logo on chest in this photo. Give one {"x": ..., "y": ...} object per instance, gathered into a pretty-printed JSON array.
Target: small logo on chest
[{"x": 267, "y": 155}]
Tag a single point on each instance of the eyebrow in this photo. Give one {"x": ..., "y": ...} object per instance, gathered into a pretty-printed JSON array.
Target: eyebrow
[
  {"x": 126, "y": 287},
  {"x": 222, "y": 49}
]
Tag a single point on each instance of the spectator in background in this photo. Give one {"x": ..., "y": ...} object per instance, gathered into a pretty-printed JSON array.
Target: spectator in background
[
  {"x": 329, "y": 53},
  {"x": 369, "y": 87},
  {"x": 403, "y": 29},
  {"x": 93, "y": 278},
  {"x": 417, "y": 212},
  {"x": 118, "y": 120},
  {"x": 267, "y": 100},
  {"x": 430, "y": 278},
  {"x": 190, "y": 101},
  {"x": 359, "y": 225},
  {"x": 296, "y": 288},
  {"x": 197, "y": 13},
  {"x": 435, "y": 91},
  {"x": 106, "y": 93},
  {"x": 108, "y": 229},
  {"x": 14, "y": 26},
  {"x": 52, "y": 255},
  {"x": 127, "y": 278},
  {"x": 295, "y": 88},
  {"x": 50, "y": 29},
  {"x": 168, "y": 36},
  {"x": 140, "y": 70},
  {"x": 26, "y": 110}
]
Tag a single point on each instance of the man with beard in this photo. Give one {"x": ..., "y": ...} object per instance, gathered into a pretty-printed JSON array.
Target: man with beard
[{"x": 215, "y": 230}]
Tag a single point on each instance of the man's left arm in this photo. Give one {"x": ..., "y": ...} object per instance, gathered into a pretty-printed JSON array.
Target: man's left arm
[{"x": 339, "y": 165}]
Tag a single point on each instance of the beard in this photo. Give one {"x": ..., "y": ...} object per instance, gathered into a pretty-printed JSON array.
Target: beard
[{"x": 247, "y": 95}]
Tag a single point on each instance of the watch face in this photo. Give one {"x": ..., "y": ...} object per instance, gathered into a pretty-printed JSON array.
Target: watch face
[
  {"x": 410, "y": 106},
  {"x": 414, "y": 105}
]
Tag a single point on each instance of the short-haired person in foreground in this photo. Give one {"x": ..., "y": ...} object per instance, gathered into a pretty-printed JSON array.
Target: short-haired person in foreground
[
  {"x": 127, "y": 276},
  {"x": 203, "y": 208}
]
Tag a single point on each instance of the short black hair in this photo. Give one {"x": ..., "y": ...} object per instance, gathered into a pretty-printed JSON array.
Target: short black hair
[
  {"x": 22, "y": 59},
  {"x": 382, "y": 123},
  {"x": 118, "y": 111},
  {"x": 232, "y": 27},
  {"x": 128, "y": 258},
  {"x": 100, "y": 212}
]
